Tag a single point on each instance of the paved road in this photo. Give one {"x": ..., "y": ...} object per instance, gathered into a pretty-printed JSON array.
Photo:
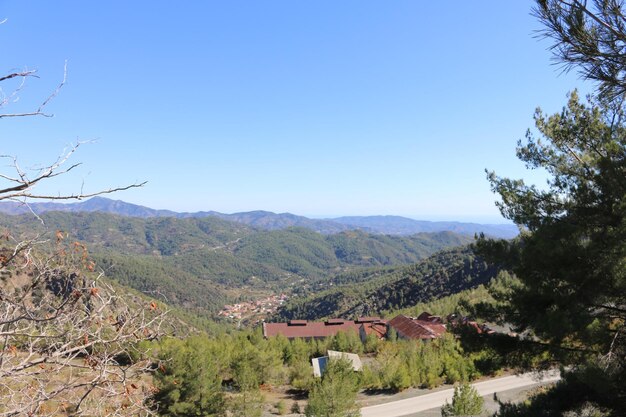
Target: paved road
[{"x": 437, "y": 399}]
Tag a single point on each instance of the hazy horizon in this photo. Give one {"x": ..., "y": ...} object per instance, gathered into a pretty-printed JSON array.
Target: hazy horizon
[
  {"x": 356, "y": 108},
  {"x": 432, "y": 218}
]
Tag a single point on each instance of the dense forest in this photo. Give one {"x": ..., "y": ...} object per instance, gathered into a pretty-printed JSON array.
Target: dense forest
[
  {"x": 200, "y": 264},
  {"x": 371, "y": 291}
]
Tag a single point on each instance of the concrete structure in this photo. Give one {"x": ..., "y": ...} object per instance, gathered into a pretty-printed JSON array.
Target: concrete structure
[
  {"x": 351, "y": 357},
  {"x": 319, "y": 364}
]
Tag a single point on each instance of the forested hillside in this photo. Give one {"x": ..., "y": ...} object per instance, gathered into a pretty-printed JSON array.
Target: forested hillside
[
  {"x": 375, "y": 290},
  {"x": 156, "y": 236},
  {"x": 202, "y": 263},
  {"x": 267, "y": 220}
]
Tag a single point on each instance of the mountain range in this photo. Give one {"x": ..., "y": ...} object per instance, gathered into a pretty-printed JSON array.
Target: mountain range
[
  {"x": 200, "y": 264},
  {"x": 265, "y": 220}
]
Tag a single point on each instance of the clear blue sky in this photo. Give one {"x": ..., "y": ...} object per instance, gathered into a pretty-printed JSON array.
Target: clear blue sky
[{"x": 318, "y": 108}]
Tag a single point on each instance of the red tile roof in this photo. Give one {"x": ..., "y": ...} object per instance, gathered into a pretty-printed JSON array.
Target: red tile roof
[
  {"x": 335, "y": 321},
  {"x": 410, "y": 328},
  {"x": 425, "y": 316},
  {"x": 378, "y": 328},
  {"x": 311, "y": 329},
  {"x": 479, "y": 328},
  {"x": 367, "y": 319}
]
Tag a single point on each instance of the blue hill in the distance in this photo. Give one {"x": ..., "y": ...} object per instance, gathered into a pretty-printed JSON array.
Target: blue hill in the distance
[{"x": 388, "y": 225}]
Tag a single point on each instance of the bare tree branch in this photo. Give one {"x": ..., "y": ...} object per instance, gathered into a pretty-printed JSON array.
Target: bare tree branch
[
  {"x": 69, "y": 337},
  {"x": 69, "y": 341},
  {"x": 24, "y": 75},
  {"x": 20, "y": 185},
  {"x": 30, "y": 73}
]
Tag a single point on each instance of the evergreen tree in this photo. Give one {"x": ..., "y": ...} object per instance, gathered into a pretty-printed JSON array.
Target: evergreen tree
[
  {"x": 465, "y": 402},
  {"x": 188, "y": 380},
  {"x": 401, "y": 379},
  {"x": 248, "y": 403},
  {"x": 281, "y": 407},
  {"x": 392, "y": 335},
  {"x": 347, "y": 342},
  {"x": 301, "y": 376},
  {"x": 571, "y": 262},
  {"x": 335, "y": 394},
  {"x": 589, "y": 37},
  {"x": 372, "y": 343},
  {"x": 571, "y": 256}
]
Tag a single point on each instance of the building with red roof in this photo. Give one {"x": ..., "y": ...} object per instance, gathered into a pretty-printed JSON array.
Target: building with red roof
[
  {"x": 378, "y": 328},
  {"x": 426, "y": 316},
  {"x": 414, "y": 329},
  {"x": 315, "y": 329},
  {"x": 426, "y": 327}
]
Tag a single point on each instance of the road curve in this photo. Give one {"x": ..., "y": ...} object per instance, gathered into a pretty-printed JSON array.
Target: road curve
[{"x": 437, "y": 399}]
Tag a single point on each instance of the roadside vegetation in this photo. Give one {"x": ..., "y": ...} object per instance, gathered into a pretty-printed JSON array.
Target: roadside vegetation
[
  {"x": 205, "y": 373},
  {"x": 465, "y": 402}
]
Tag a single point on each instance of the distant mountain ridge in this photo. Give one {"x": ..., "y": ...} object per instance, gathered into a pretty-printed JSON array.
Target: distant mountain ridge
[
  {"x": 200, "y": 264},
  {"x": 397, "y": 225},
  {"x": 260, "y": 219},
  {"x": 389, "y": 225}
]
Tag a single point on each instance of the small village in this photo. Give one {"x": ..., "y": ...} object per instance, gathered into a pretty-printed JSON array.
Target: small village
[{"x": 257, "y": 309}]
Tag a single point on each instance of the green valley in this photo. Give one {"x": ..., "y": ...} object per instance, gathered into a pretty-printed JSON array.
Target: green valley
[{"x": 200, "y": 264}]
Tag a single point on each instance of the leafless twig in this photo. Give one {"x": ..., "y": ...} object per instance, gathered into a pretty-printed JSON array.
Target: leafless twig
[
  {"x": 69, "y": 341},
  {"x": 23, "y": 75}
]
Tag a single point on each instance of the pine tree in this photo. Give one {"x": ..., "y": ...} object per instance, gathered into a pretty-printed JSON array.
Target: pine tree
[
  {"x": 572, "y": 260},
  {"x": 588, "y": 37},
  {"x": 188, "y": 380},
  {"x": 465, "y": 402},
  {"x": 335, "y": 394}
]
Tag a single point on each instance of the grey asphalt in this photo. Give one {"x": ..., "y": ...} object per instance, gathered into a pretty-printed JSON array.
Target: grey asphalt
[{"x": 437, "y": 399}]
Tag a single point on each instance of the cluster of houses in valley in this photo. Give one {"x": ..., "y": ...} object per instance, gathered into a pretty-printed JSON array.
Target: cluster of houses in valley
[
  {"x": 243, "y": 310},
  {"x": 424, "y": 327}
]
